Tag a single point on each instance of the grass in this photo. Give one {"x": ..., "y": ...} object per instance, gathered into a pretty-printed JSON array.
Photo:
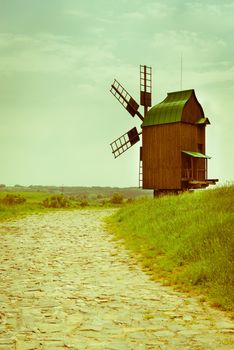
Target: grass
[
  {"x": 32, "y": 205},
  {"x": 186, "y": 240},
  {"x": 39, "y": 202}
]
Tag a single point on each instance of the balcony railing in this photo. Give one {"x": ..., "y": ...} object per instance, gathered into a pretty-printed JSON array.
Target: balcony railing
[{"x": 194, "y": 174}]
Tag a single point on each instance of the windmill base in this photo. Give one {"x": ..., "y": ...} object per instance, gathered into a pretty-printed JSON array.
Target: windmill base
[
  {"x": 188, "y": 186},
  {"x": 159, "y": 193}
]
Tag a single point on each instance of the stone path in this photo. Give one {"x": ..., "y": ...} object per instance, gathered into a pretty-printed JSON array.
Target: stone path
[{"x": 64, "y": 284}]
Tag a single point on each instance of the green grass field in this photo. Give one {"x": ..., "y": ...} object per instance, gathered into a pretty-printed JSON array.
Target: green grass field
[
  {"x": 185, "y": 240},
  {"x": 39, "y": 202},
  {"x": 32, "y": 205}
]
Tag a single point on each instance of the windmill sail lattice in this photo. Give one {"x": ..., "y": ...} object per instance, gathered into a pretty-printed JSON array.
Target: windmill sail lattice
[
  {"x": 146, "y": 87},
  {"x": 124, "y": 142},
  {"x": 125, "y": 99}
]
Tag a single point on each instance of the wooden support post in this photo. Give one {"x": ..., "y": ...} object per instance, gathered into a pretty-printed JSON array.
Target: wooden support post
[{"x": 192, "y": 167}]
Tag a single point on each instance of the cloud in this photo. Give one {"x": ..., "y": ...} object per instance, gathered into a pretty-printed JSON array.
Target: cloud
[
  {"x": 50, "y": 53},
  {"x": 149, "y": 11},
  {"x": 39, "y": 53},
  {"x": 213, "y": 8},
  {"x": 197, "y": 50},
  {"x": 54, "y": 88},
  {"x": 134, "y": 15},
  {"x": 77, "y": 13}
]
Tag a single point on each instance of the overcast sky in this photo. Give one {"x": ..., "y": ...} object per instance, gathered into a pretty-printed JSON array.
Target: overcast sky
[{"x": 58, "y": 59}]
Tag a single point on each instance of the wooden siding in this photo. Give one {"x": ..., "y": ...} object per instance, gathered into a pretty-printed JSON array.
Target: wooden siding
[
  {"x": 201, "y": 136},
  {"x": 202, "y": 163},
  {"x": 192, "y": 111},
  {"x": 164, "y": 165},
  {"x": 191, "y": 137},
  {"x": 161, "y": 155},
  {"x": 188, "y": 137}
]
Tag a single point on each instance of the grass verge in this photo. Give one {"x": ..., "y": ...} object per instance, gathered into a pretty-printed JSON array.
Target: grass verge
[{"x": 187, "y": 240}]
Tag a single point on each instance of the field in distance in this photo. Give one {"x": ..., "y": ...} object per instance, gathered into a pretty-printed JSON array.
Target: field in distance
[
  {"x": 87, "y": 192},
  {"x": 20, "y": 200}
]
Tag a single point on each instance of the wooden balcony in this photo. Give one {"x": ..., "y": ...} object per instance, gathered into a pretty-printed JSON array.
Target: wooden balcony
[
  {"x": 193, "y": 174},
  {"x": 194, "y": 178}
]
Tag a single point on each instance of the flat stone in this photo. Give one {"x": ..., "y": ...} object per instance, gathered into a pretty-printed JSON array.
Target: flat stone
[
  {"x": 164, "y": 334},
  {"x": 227, "y": 331},
  {"x": 50, "y": 328},
  {"x": 7, "y": 347},
  {"x": 175, "y": 327},
  {"x": 225, "y": 324},
  {"x": 187, "y": 318},
  {"x": 6, "y": 341},
  {"x": 91, "y": 329},
  {"x": 65, "y": 283},
  {"x": 27, "y": 345},
  {"x": 188, "y": 332}
]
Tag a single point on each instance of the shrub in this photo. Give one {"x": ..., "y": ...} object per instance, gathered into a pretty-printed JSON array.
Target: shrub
[
  {"x": 56, "y": 201},
  {"x": 13, "y": 199},
  {"x": 117, "y": 198},
  {"x": 130, "y": 200},
  {"x": 84, "y": 203},
  {"x": 103, "y": 202}
]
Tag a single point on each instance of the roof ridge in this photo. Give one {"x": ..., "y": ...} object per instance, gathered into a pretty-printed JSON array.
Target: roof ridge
[
  {"x": 170, "y": 109},
  {"x": 175, "y": 92}
]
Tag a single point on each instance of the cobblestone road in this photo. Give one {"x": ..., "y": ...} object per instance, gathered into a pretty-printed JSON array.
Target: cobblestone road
[{"x": 64, "y": 284}]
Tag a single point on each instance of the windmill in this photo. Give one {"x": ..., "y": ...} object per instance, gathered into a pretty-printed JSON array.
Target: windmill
[
  {"x": 172, "y": 156},
  {"x": 130, "y": 138}
]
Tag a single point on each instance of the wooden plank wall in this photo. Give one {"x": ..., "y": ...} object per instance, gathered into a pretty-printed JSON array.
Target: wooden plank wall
[
  {"x": 201, "y": 162},
  {"x": 161, "y": 156},
  {"x": 161, "y": 153},
  {"x": 192, "y": 111},
  {"x": 201, "y": 137},
  {"x": 188, "y": 137}
]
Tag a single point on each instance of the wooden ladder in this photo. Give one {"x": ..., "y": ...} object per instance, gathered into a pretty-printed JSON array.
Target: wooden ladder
[{"x": 140, "y": 174}]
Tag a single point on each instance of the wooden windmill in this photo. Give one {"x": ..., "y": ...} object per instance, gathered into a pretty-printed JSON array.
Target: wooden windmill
[{"x": 172, "y": 156}]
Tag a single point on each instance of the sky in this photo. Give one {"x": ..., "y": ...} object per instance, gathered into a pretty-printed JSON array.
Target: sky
[{"x": 58, "y": 60}]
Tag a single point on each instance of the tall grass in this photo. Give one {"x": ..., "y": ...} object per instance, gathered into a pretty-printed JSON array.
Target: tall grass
[
  {"x": 31, "y": 205},
  {"x": 186, "y": 239}
]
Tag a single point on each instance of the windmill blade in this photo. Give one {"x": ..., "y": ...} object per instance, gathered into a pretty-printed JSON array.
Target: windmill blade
[
  {"x": 146, "y": 87},
  {"x": 125, "y": 99},
  {"x": 124, "y": 142}
]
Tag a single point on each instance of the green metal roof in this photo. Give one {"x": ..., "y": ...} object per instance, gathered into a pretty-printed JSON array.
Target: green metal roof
[
  {"x": 196, "y": 154},
  {"x": 203, "y": 121},
  {"x": 169, "y": 110}
]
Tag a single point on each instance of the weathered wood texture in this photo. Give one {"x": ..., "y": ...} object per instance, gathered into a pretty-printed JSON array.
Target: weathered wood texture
[
  {"x": 164, "y": 166},
  {"x": 202, "y": 163},
  {"x": 161, "y": 156},
  {"x": 192, "y": 110}
]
